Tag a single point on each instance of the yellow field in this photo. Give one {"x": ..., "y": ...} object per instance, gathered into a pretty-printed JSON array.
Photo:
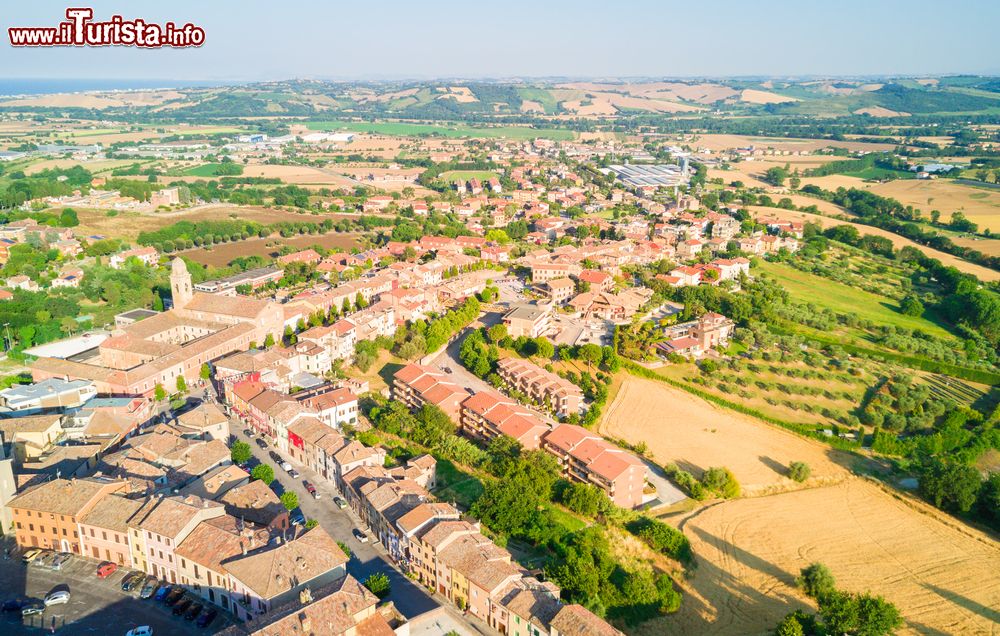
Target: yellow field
[
  {"x": 695, "y": 434},
  {"x": 980, "y": 205},
  {"x": 941, "y": 574}
]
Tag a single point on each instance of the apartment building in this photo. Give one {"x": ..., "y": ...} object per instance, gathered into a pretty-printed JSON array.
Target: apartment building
[
  {"x": 269, "y": 578},
  {"x": 544, "y": 387},
  {"x": 488, "y": 414},
  {"x": 165, "y": 525},
  {"x": 587, "y": 457},
  {"x": 528, "y": 320},
  {"x": 332, "y": 406},
  {"x": 344, "y": 607},
  {"x": 48, "y": 515},
  {"x": 415, "y": 385},
  {"x": 104, "y": 529}
]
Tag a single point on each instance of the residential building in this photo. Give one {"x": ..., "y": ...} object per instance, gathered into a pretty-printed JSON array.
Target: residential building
[
  {"x": 415, "y": 385},
  {"x": 528, "y": 320},
  {"x": 587, "y": 457},
  {"x": 545, "y": 388}
]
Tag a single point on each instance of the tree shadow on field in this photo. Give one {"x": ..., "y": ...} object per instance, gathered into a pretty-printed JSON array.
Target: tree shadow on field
[
  {"x": 774, "y": 465},
  {"x": 975, "y": 607},
  {"x": 735, "y": 600}
]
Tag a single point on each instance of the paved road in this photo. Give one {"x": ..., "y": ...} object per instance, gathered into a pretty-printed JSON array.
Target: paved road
[{"x": 366, "y": 558}]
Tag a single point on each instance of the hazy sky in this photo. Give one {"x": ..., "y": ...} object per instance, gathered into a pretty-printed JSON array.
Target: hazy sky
[{"x": 278, "y": 39}]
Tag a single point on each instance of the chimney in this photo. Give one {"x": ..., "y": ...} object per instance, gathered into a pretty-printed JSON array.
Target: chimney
[
  {"x": 305, "y": 623},
  {"x": 305, "y": 596},
  {"x": 244, "y": 548}
]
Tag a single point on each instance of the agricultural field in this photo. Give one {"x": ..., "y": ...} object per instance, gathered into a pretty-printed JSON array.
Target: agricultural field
[
  {"x": 696, "y": 435},
  {"x": 980, "y": 205},
  {"x": 401, "y": 128},
  {"x": 822, "y": 292},
  {"x": 465, "y": 175},
  {"x": 222, "y": 254},
  {"x": 793, "y": 392},
  {"x": 940, "y": 573}
]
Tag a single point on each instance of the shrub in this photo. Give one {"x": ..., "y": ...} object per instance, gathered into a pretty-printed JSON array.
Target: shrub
[
  {"x": 816, "y": 581},
  {"x": 722, "y": 482},
  {"x": 799, "y": 471},
  {"x": 661, "y": 537}
]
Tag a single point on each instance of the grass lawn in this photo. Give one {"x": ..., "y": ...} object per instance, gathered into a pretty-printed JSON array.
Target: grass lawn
[
  {"x": 822, "y": 292},
  {"x": 465, "y": 175},
  {"x": 456, "y": 486},
  {"x": 405, "y": 128},
  {"x": 880, "y": 173}
]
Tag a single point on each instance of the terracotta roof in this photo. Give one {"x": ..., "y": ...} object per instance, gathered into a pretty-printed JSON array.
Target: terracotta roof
[
  {"x": 63, "y": 496},
  {"x": 112, "y": 513},
  {"x": 579, "y": 621},
  {"x": 274, "y": 571}
]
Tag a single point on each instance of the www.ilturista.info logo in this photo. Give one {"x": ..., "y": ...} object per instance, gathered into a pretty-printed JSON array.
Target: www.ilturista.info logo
[{"x": 79, "y": 29}]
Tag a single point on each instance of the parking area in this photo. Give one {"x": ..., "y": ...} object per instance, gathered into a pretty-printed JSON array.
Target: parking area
[{"x": 96, "y": 605}]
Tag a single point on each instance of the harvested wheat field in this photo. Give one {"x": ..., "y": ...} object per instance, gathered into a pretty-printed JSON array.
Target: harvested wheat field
[
  {"x": 299, "y": 175},
  {"x": 721, "y": 141},
  {"x": 942, "y": 575},
  {"x": 225, "y": 253},
  {"x": 763, "y": 97},
  {"x": 695, "y": 434},
  {"x": 980, "y": 205}
]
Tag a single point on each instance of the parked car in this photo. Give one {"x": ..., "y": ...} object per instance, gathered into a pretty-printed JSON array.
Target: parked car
[
  {"x": 285, "y": 466},
  {"x": 32, "y": 606},
  {"x": 181, "y": 606},
  {"x": 144, "y": 630},
  {"x": 162, "y": 592},
  {"x": 59, "y": 597},
  {"x": 207, "y": 617},
  {"x": 248, "y": 432},
  {"x": 31, "y": 555},
  {"x": 297, "y": 519},
  {"x": 44, "y": 559},
  {"x": 150, "y": 587},
  {"x": 106, "y": 569},
  {"x": 359, "y": 535},
  {"x": 261, "y": 443},
  {"x": 133, "y": 581},
  {"x": 13, "y": 605},
  {"x": 340, "y": 502},
  {"x": 193, "y": 612},
  {"x": 275, "y": 457},
  {"x": 311, "y": 489},
  {"x": 294, "y": 474},
  {"x": 176, "y": 594},
  {"x": 59, "y": 560}
]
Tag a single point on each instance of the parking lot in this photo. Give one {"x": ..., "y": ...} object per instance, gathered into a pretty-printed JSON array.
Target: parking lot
[{"x": 96, "y": 605}]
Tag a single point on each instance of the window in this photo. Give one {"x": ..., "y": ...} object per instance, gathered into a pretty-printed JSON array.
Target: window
[
  {"x": 31, "y": 527},
  {"x": 104, "y": 535}
]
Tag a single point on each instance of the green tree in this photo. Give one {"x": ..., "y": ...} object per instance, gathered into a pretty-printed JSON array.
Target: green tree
[
  {"x": 789, "y": 626},
  {"x": 950, "y": 486},
  {"x": 591, "y": 354},
  {"x": 181, "y": 384},
  {"x": 816, "y": 580},
  {"x": 311, "y": 523},
  {"x": 159, "y": 393},
  {"x": 263, "y": 472},
  {"x": 268, "y": 341},
  {"x": 206, "y": 371},
  {"x": 799, "y": 471},
  {"x": 240, "y": 452},
  {"x": 722, "y": 482},
  {"x": 911, "y": 306},
  {"x": 497, "y": 332},
  {"x": 584, "y": 499},
  {"x": 544, "y": 347},
  {"x": 378, "y": 584},
  {"x": 289, "y": 500}
]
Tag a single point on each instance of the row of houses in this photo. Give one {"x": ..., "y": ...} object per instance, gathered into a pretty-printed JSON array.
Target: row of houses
[
  {"x": 582, "y": 455},
  {"x": 196, "y": 542}
]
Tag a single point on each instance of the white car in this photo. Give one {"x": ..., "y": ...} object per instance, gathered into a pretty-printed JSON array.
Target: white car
[
  {"x": 285, "y": 466},
  {"x": 145, "y": 630},
  {"x": 57, "y": 598}
]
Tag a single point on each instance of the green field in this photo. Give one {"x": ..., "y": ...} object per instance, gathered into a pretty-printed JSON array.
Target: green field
[
  {"x": 206, "y": 170},
  {"x": 808, "y": 288},
  {"x": 404, "y": 129},
  {"x": 465, "y": 175},
  {"x": 542, "y": 96}
]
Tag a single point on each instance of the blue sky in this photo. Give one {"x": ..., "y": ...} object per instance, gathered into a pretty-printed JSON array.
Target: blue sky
[{"x": 381, "y": 39}]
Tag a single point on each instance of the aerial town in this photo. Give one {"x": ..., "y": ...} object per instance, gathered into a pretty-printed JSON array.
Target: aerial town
[{"x": 522, "y": 358}]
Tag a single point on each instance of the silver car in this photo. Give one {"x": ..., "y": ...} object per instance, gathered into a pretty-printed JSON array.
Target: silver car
[{"x": 60, "y": 597}]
